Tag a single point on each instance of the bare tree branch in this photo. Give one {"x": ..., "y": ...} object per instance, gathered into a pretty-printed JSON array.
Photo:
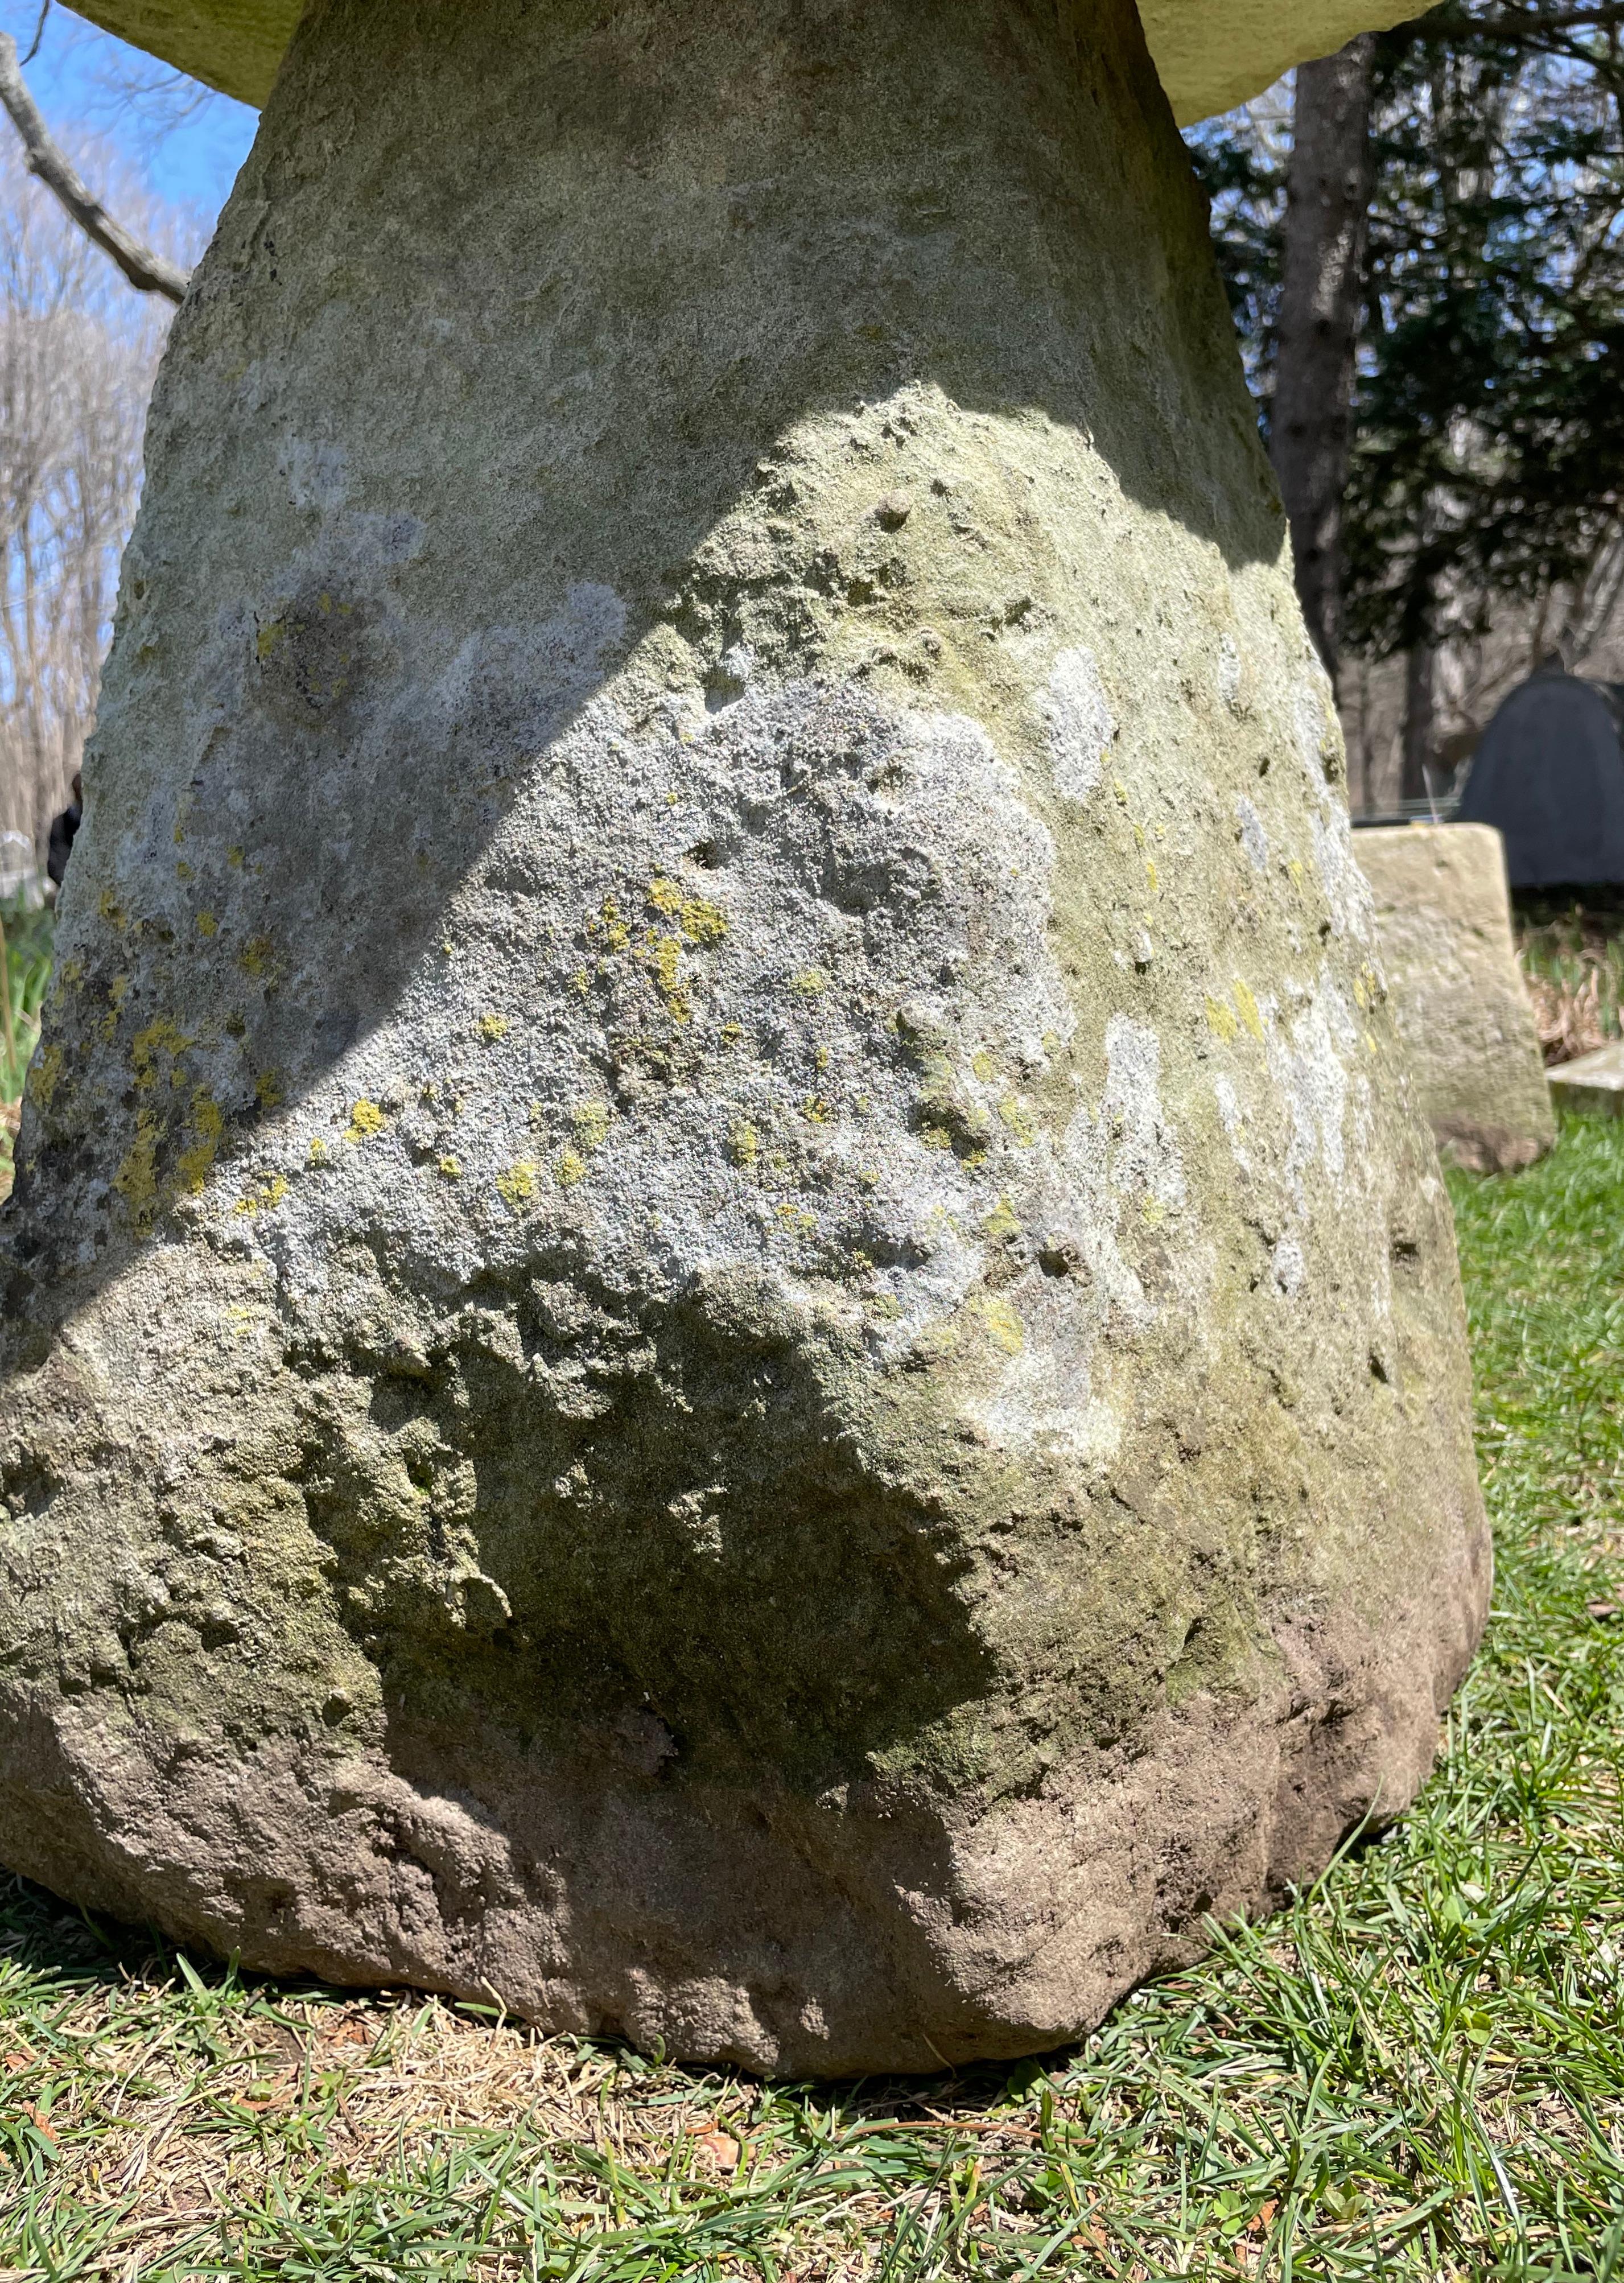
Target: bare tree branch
[{"x": 147, "y": 272}]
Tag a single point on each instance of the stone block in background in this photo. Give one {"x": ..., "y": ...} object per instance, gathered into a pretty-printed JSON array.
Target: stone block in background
[
  {"x": 1592, "y": 1083},
  {"x": 1443, "y": 915}
]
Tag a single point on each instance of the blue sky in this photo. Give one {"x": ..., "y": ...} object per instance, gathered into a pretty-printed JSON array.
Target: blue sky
[{"x": 185, "y": 143}]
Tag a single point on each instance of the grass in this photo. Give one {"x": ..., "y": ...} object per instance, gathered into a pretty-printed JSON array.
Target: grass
[
  {"x": 25, "y": 969},
  {"x": 1417, "y": 2071}
]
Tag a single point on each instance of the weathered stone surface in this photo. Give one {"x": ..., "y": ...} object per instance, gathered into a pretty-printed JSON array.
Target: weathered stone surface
[
  {"x": 725, "y": 1306},
  {"x": 1443, "y": 918}
]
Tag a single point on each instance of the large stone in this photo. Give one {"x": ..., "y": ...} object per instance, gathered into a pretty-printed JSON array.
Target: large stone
[
  {"x": 1443, "y": 918},
  {"x": 1548, "y": 776},
  {"x": 726, "y": 1308}
]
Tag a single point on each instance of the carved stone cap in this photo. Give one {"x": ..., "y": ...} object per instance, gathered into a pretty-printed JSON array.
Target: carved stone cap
[{"x": 1211, "y": 54}]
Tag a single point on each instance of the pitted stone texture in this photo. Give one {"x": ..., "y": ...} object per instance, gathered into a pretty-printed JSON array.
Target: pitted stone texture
[
  {"x": 725, "y": 1306},
  {"x": 1443, "y": 918}
]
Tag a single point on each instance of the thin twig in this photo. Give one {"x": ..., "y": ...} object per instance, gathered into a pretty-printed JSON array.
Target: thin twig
[
  {"x": 147, "y": 272},
  {"x": 39, "y": 32}
]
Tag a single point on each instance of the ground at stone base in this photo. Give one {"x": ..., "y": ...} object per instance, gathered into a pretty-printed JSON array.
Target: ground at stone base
[{"x": 1416, "y": 2071}]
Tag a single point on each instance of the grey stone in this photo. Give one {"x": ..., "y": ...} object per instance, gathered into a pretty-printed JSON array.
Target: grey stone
[
  {"x": 1592, "y": 1084},
  {"x": 726, "y": 1308},
  {"x": 1443, "y": 918},
  {"x": 1548, "y": 775}
]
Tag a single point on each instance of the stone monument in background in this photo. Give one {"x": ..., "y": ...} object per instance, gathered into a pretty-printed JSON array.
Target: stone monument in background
[{"x": 1443, "y": 917}]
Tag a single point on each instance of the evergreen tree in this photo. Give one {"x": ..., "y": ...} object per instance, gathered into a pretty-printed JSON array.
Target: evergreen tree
[{"x": 1488, "y": 457}]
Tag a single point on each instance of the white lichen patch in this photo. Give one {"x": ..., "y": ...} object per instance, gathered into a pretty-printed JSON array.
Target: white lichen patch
[
  {"x": 1288, "y": 1266},
  {"x": 1254, "y": 839},
  {"x": 1077, "y": 722}
]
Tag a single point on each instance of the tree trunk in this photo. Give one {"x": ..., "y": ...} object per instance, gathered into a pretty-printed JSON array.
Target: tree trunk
[
  {"x": 1419, "y": 722},
  {"x": 1328, "y": 195}
]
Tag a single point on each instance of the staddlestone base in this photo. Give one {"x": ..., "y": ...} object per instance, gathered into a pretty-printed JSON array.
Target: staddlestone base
[{"x": 725, "y": 1311}]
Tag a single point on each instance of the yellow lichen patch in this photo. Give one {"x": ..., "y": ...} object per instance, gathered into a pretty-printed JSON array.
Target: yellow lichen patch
[
  {"x": 820, "y": 1058},
  {"x": 668, "y": 958},
  {"x": 267, "y": 1089},
  {"x": 1248, "y": 1006},
  {"x": 450, "y": 1168},
  {"x": 516, "y": 1185},
  {"x": 191, "y": 1167},
  {"x": 266, "y": 1198},
  {"x": 365, "y": 1119},
  {"x": 811, "y": 981},
  {"x": 159, "y": 1037},
  {"x": 798, "y": 1217},
  {"x": 255, "y": 957},
  {"x": 108, "y": 905},
  {"x": 591, "y": 1121},
  {"x": 1220, "y": 1019},
  {"x": 935, "y": 1137},
  {"x": 700, "y": 920},
  {"x": 318, "y": 1153},
  {"x": 611, "y": 926},
  {"x": 1002, "y": 1323},
  {"x": 1002, "y": 1221},
  {"x": 582, "y": 981},
  {"x": 46, "y": 1075},
  {"x": 1018, "y": 1120},
  {"x": 492, "y": 1027},
  {"x": 1153, "y": 1212},
  {"x": 182, "y": 870},
  {"x": 744, "y": 1143},
  {"x": 983, "y": 1066},
  {"x": 1150, "y": 874},
  {"x": 266, "y": 639},
  {"x": 1370, "y": 1043},
  {"x": 208, "y": 926},
  {"x": 234, "y": 858},
  {"x": 136, "y": 1179},
  {"x": 815, "y": 1110},
  {"x": 1294, "y": 871},
  {"x": 570, "y": 1168}
]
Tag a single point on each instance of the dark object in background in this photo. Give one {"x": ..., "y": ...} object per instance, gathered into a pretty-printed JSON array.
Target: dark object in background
[
  {"x": 1549, "y": 775},
  {"x": 63, "y": 827}
]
